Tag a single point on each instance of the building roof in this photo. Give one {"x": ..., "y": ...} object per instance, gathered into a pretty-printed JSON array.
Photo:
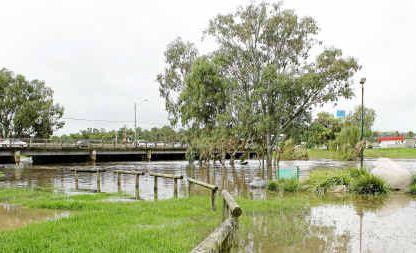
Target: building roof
[{"x": 390, "y": 138}]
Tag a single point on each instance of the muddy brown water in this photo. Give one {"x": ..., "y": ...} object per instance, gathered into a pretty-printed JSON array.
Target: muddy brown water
[
  {"x": 346, "y": 225},
  {"x": 15, "y": 216}
]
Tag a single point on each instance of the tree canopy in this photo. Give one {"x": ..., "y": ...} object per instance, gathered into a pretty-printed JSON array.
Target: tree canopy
[
  {"x": 260, "y": 82},
  {"x": 27, "y": 107}
]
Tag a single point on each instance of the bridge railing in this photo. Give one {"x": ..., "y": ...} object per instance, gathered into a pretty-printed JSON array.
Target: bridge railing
[{"x": 85, "y": 144}]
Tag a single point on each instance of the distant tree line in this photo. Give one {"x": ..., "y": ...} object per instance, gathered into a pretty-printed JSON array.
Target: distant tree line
[
  {"x": 27, "y": 107},
  {"x": 164, "y": 134}
]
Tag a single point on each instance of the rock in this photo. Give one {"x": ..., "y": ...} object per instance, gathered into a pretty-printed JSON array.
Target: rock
[{"x": 397, "y": 177}]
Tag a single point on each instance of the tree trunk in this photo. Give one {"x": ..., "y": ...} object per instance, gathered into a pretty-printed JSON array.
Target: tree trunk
[{"x": 269, "y": 150}]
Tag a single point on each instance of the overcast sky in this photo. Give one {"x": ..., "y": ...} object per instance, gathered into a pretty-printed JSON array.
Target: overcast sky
[{"x": 102, "y": 56}]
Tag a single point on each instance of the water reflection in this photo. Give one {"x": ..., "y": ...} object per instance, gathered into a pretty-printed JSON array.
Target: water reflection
[
  {"x": 235, "y": 179},
  {"x": 335, "y": 225},
  {"x": 14, "y": 216}
]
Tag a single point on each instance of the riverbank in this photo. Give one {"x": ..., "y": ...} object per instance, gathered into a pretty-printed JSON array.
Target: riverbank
[
  {"x": 175, "y": 225},
  {"x": 395, "y": 153}
]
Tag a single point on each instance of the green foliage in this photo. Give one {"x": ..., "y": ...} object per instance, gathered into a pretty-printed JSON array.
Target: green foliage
[
  {"x": 346, "y": 142},
  {"x": 2, "y": 174},
  {"x": 291, "y": 152},
  {"x": 27, "y": 107},
  {"x": 262, "y": 80},
  {"x": 163, "y": 226},
  {"x": 369, "y": 118},
  {"x": 355, "y": 180},
  {"x": 163, "y": 134},
  {"x": 286, "y": 185},
  {"x": 369, "y": 184},
  {"x": 412, "y": 189},
  {"x": 321, "y": 180}
]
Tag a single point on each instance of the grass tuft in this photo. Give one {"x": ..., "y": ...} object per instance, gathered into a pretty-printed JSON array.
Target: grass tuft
[
  {"x": 286, "y": 185},
  {"x": 369, "y": 185}
]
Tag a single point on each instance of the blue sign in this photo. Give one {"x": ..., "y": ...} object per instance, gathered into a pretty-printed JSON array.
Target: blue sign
[{"x": 341, "y": 114}]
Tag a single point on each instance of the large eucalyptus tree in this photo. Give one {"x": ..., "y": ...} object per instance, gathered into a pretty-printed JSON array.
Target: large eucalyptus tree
[{"x": 275, "y": 69}]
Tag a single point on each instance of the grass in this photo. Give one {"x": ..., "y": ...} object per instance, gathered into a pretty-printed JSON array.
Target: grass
[
  {"x": 412, "y": 188},
  {"x": 369, "y": 184},
  {"x": 354, "y": 180},
  {"x": 163, "y": 226},
  {"x": 286, "y": 185},
  {"x": 97, "y": 226},
  {"x": 2, "y": 174},
  {"x": 404, "y": 153}
]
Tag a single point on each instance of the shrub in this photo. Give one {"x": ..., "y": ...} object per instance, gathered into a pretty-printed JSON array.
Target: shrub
[
  {"x": 414, "y": 179},
  {"x": 322, "y": 180},
  {"x": 412, "y": 189},
  {"x": 355, "y": 173},
  {"x": 272, "y": 186},
  {"x": 369, "y": 184},
  {"x": 287, "y": 185}
]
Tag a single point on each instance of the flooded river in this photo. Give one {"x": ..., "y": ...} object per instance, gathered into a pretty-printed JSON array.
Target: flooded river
[
  {"x": 330, "y": 225},
  {"x": 60, "y": 178}
]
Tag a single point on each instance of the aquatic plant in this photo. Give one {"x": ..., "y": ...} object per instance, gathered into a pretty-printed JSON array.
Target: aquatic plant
[
  {"x": 369, "y": 184},
  {"x": 412, "y": 189},
  {"x": 287, "y": 185}
]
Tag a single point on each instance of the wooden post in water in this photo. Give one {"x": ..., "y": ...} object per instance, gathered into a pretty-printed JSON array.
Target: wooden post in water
[
  {"x": 76, "y": 180},
  {"x": 137, "y": 186},
  {"x": 175, "y": 188},
  {"x": 98, "y": 180},
  {"x": 17, "y": 157},
  {"x": 118, "y": 181},
  {"x": 155, "y": 188}
]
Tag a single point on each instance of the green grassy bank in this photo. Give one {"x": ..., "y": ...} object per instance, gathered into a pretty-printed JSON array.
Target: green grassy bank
[
  {"x": 97, "y": 226},
  {"x": 404, "y": 153}
]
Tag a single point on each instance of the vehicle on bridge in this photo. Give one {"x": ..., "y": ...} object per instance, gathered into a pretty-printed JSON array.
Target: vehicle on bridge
[{"x": 12, "y": 143}]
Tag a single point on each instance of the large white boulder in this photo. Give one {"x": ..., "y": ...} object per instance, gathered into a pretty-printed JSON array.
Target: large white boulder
[{"x": 397, "y": 177}]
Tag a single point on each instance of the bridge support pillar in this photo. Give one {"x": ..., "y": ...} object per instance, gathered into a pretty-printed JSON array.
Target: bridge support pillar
[
  {"x": 149, "y": 155},
  {"x": 16, "y": 157},
  {"x": 93, "y": 156}
]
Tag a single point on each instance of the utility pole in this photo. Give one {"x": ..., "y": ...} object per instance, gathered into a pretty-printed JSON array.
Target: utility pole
[{"x": 362, "y": 81}]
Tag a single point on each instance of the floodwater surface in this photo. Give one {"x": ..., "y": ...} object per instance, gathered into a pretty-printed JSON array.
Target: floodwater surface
[
  {"x": 331, "y": 224},
  {"x": 334, "y": 225},
  {"x": 62, "y": 179},
  {"x": 15, "y": 216}
]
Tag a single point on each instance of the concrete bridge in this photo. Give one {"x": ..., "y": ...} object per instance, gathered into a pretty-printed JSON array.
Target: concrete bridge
[{"x": 99, "y": 153}]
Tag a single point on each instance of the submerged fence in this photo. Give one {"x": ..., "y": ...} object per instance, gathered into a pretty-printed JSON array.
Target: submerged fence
[
  {"x": 220, "y": 239},
  {"x": 223, "y": 236}
]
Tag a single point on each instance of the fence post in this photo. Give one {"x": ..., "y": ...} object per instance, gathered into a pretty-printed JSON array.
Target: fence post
[
  {"x": 118, "y": 181},
  {"x": 137, "y": 186},
  {"x": 175, "y": 187},
  {"x": 155, "y": 187},
  {"x": 76, "y": 180},
  {"x": 189, "y": 188},
  {"x": 213, "y": 192},
  {"x": 98, "y": 181}
]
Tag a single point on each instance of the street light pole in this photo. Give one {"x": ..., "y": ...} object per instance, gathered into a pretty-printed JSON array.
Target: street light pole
[
  {"x": 135, "y": 123},
  {"x": 136, "y": 118},
  {"x": 362, "y": 81}
]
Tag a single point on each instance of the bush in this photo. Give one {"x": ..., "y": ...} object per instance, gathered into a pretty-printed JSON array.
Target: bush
[
  {"x": 412, "y": 189},
  {"x": 355, "y": 173},
  {"x": 272, "y": 186},
  {"x": 287, "y": 185},
  {"x": 414, "y": 179},
  {"x": 322, "y": 180},
  {"x": 369, "y": 184}
]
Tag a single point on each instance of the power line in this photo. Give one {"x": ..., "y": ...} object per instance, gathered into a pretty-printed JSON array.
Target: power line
[{"x": 98, "y": 120}]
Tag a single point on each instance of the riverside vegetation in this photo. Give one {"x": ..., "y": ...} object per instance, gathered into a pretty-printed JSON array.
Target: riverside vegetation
[
  {"x": 324, "y": 180},
  {"x": 95, "y": 225}
]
